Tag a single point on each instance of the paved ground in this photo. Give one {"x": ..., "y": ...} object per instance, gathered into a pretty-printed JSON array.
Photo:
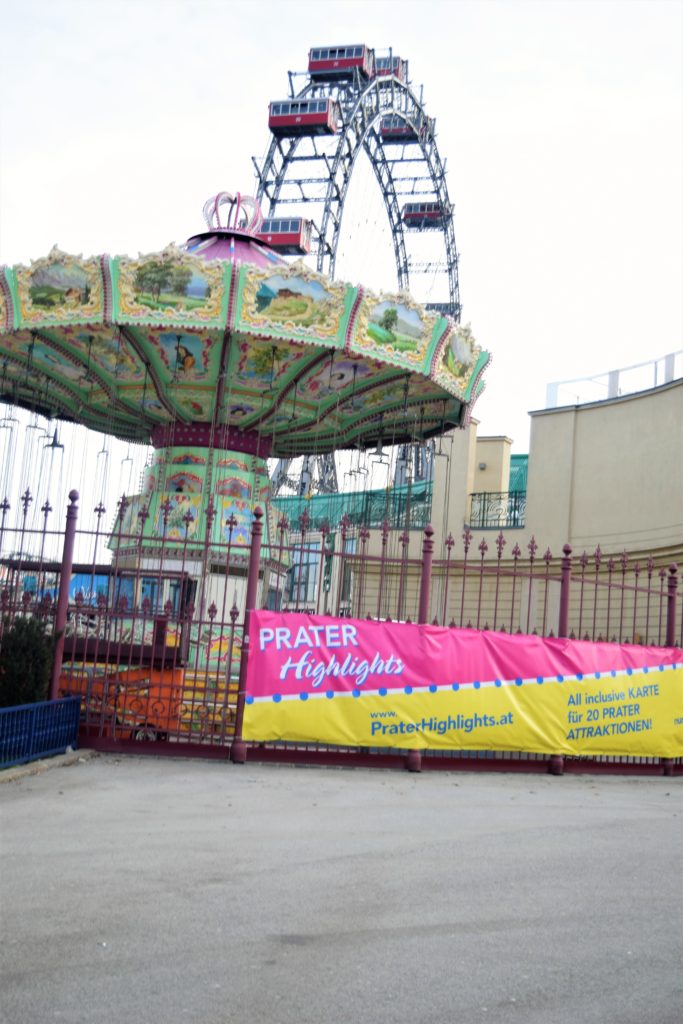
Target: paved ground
[{"x": 184, "y": 892}]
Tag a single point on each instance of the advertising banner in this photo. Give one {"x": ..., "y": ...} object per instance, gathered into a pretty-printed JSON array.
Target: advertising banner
[{"x": 381, "y": 684}]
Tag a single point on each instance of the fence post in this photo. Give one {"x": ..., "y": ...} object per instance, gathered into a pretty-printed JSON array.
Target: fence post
[
  {"x": 238, "y": 748},
  {"x": 565, "y": 588},
  {"x": 63, "y": 596},
  {"x": 667, "y": 762},
  {"x": 426, "y": 574},
  {"x": 414, "y": 758},
  {"x": 556, "y": 766},
  {"x": 671, "y": 606}
]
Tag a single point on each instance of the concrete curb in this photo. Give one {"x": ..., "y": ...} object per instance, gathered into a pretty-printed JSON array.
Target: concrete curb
[{"x": 21, "y": 771}]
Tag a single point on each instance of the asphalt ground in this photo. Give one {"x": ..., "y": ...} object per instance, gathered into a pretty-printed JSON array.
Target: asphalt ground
[{"x": 185, "y": 892}]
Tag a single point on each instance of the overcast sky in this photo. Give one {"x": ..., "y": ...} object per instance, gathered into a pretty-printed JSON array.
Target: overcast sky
[{"x": 561, "y": 123}]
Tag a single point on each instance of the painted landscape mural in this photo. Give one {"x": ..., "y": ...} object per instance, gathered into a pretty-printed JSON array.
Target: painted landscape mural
[
  {"x": 294, "y": 300},
  {"x": 396, "y": 325},
  {"x": 58, "y": 284},
  {"x": 159, "y": 284}
]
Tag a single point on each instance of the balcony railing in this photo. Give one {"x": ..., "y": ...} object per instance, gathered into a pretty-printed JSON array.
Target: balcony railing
[{"x": 494, "y": 510}]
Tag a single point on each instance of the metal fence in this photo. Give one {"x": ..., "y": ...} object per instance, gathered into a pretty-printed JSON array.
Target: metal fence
[
  {"x": 151, "y": 628},
  {"x": 38, "y": 730}
]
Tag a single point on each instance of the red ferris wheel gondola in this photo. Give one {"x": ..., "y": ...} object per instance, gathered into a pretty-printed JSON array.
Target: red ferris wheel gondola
[
  {"x": 392, "y": 66},
  {"x": 331, "y": 63},
  {"x": 290, "y": 118},
  {"x": 290, "y": 236}
]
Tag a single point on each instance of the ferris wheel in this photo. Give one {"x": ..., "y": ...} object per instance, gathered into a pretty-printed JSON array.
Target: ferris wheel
[{"x": 355, "y": 102}]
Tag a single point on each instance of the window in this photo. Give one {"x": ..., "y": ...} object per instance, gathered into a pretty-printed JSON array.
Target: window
[
  {"x": 149, "y": 589},
  {"x": 301, "y": 584},
  {"x": 123, "y": 591},
  {"x": 174, "y": 592},
  {"x": 347, "y": 579}
]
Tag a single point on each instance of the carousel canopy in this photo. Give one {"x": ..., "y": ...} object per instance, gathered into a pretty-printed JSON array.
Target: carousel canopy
[{"x": 222, "y": 342}]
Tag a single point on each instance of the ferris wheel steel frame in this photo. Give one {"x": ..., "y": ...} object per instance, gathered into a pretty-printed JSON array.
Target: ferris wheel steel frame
[{"x": 280, "y": 183}]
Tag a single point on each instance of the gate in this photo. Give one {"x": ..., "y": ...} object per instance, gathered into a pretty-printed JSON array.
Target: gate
[{"x": 154, "y": 639}]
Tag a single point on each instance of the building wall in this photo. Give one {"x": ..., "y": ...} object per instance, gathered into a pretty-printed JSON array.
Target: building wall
[
  {"x": 609, "y": 473},
  {"x": 492, "y": 464}
]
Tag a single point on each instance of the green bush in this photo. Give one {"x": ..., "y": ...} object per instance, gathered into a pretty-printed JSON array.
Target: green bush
[{"x": 25, "y": 662}]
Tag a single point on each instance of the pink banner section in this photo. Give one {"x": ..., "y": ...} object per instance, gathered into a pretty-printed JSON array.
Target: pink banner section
[{"x": 304, "y": 655}]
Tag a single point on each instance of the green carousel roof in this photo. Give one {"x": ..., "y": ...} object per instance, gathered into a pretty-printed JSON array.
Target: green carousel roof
[{"x": 250, "y": 352}]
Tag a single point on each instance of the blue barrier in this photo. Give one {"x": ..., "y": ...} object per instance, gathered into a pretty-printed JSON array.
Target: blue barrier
[{"x": 38, "y": 730}]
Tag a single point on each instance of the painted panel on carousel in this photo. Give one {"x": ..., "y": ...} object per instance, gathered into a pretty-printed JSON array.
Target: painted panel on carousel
[
  {"x": 6, "y": 314},
  {"x": 185, "y": 482},
  {"x": 188, "y": 459},
  {"x": 235, "y": 521},
  {"x": 239, "y": 413},
  {"x": 144, "y": 400},
  {"x": 61, "y": 367},
  {"x": 294, "y": 302},
  {"x": 234, "y": 487},
  {"x": 186, "y": 357},
  {"x": 59, "y": 289},
  {"x": 193, "y": 403},
  {"x": 53, "y": 363},
  {"x": 335, "y": 377},
  {"x": 170, "y": 287},
  {"x": 18, "y": 343},
  {"x": 150, "y": 482},
  {"x": 106, "y": 350},
  {"x": 129, "y": 527},
  {"x": 459, "y": 361},
  {"x": 181, "y": 513},
  {"x": 260, "y": 365},
  {"x": 386, "y": 395},
  {"x": 395, "y": 329},
  {"x": 231, "y": 462}
]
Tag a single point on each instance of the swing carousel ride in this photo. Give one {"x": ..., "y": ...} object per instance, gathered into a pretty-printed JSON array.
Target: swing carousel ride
[{"x": 221, "y": 354}]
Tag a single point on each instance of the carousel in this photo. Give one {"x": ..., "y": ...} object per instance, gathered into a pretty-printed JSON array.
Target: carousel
[{"x": 221, "y": 355}]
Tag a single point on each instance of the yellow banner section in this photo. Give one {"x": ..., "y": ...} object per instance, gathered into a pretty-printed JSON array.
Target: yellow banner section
[{"x": 639, "y": 714}]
